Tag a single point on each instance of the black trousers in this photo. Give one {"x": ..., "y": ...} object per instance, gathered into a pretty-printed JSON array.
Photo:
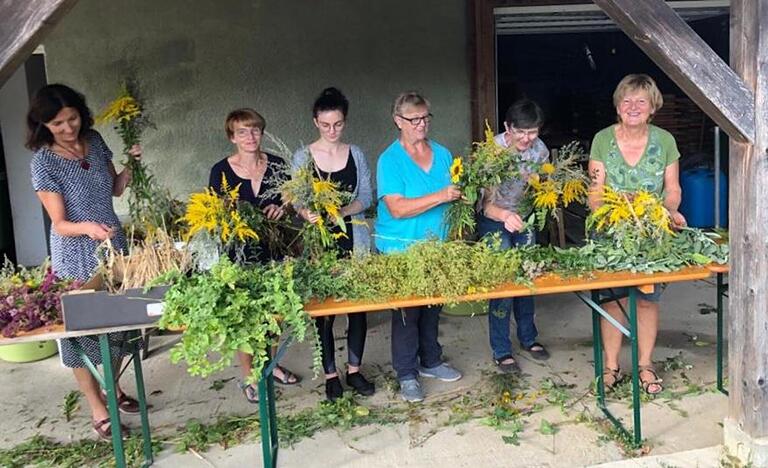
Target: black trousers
[{"x": 358, "y": 327}]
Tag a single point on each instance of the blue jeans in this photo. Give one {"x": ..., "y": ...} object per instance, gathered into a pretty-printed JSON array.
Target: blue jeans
[
  {"x": 414, "y": 340},
  {"x": 499, "y": 309}
]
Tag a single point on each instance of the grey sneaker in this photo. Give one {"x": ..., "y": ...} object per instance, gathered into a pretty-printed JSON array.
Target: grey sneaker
[
  {"x": 442, "y": 372},
  {"x": 410, "y": 391}
]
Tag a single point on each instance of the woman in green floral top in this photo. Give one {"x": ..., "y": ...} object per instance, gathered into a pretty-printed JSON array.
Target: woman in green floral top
[{"x": 630, "y": 156}]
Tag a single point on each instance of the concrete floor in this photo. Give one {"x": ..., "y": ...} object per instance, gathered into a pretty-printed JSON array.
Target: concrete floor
[{"x": 32, "y": 391}]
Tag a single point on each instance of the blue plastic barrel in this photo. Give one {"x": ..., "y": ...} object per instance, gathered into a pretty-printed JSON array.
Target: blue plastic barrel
[{"x": 698, "y": 203}]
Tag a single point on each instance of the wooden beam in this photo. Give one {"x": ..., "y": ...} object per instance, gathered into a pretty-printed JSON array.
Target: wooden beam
[
  {"x": 748, "y": 219},
  {"x": 688, "y": 61},
  {"x": 23, "y": 25}
]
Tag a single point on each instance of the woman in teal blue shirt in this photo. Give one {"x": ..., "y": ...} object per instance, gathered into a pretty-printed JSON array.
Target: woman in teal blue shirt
[{"x": 414, "y": 189}]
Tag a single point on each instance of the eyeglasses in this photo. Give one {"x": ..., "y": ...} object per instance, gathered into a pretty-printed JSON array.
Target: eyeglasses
[
  {"x": 325, "y": 126},
  {"x": 530, "y": 133},
  {"x": 416, "y": 121},
  {"x": 244, "y": 132}
]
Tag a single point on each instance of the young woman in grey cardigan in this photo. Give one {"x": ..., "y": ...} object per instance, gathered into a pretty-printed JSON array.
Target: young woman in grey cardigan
[{"x": 346, "y": 165}]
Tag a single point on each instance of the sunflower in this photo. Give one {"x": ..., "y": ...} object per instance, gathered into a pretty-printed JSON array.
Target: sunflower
[{"x": 457, "y": 169}]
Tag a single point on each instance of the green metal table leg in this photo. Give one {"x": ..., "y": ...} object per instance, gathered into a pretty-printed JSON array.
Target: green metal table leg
[
  {"x": 635, "y": 365},
  {"x": 598, "y": 312},
  {"x": 114, "y": 414},
  {"x": 721, "y": 290},
  {"x": 141, "y": 396},
  {"x": 597, "y": 350},
  {"x": 268, "y": 417}
]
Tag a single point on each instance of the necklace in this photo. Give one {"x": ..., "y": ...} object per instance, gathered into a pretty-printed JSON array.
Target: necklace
[{"x": 76, "y": 152}]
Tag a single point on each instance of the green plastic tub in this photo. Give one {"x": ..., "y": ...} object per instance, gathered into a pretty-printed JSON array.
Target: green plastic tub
[
  {"x": 28, "y": 352},
  {"x": 467, "y": 309}
]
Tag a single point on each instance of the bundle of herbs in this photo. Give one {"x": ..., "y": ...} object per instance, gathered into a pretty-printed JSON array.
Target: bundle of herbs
[
  {"x": 554, "y": 185},
  {"x": 230, "y": 226},
  {"x": 487, "y": 166},
  {"x": 633, "y": 232},
  {"x": 30, "y": 298},
  {"x": 233, "y": 308},
  {"x": 150, "y": 205},
  {"x": 307, "y": 189}
]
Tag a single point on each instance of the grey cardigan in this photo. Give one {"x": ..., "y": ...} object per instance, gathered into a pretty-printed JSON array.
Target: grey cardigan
[{"x": 361, "y": 236}]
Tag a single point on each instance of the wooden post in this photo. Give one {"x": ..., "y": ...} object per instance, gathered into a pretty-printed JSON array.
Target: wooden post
[
  {"x": 746, "y": 427},
  {"x": 23, "y": 25}
]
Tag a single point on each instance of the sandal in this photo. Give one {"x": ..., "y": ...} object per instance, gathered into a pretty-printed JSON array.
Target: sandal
[
  {"x": 537, "y": 351},
  {"x": 126, "y": 404},
  {"x": 507, "y": 367},
  {"x": 654, "y": 382},
  {"x": 611, "y": 377},
  {"x": 105, "y": 433},
  {"x": 289, "y": 378},
  {"x": 251, "y": 392}
]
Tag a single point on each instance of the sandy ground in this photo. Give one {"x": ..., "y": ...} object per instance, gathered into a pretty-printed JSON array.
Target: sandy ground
[{"x": 32, "y": 395}]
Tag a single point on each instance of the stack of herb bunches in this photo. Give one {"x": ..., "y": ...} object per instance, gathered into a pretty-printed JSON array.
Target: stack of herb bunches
[{"x": 30, "y": 298}]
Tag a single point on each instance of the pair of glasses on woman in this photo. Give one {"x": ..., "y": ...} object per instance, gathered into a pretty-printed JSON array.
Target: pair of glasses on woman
[{"x": 416, "y": 121}]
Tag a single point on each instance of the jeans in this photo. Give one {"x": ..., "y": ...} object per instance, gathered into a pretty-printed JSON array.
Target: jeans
[
  {"x": 356, "y": 331},
  {"x": 499, "y": 309},
  {"x": 414, "y": 340}
]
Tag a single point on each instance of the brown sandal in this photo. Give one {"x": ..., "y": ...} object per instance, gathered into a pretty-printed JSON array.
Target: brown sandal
[
  {"x": 126, "y": 404},
  {"x": 656, "y": 381},
  {"x": 614, "y": 375},
  {"x": 105, "y": 433}
]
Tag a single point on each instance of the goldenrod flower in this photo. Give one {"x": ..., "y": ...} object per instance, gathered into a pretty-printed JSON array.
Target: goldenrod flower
[
  {"x": 457, "y": 169},
  {"x": 123, "y": 109},
  {"x": 545, "y": 199},
  {"x": 573, "y": 190},
  {"x": 548, "y": 168},
  {"x": 320, "y": 186}
]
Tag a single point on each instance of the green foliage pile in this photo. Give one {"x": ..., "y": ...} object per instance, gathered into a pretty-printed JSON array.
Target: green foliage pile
[
  {"x": 430, "y": 269},
  {"x": 231, "y": 308}
]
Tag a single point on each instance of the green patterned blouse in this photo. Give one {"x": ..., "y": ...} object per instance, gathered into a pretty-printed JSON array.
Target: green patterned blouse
[{"x": 648, "y": 173}]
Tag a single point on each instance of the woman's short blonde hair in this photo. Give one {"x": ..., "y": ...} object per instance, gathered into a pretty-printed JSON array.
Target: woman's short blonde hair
[
  {"x": 246, "y": 116},
  {"x": 638, "y": 82},
  {"x": 408, "y": 99}
]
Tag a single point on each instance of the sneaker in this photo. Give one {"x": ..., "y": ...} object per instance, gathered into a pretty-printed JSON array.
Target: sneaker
[
  {"x": 442, "y": 372},
  {"x": 360, "y": 384},
  {"x": 410, "y": 391},
  {"x": 333, "y": 389}
]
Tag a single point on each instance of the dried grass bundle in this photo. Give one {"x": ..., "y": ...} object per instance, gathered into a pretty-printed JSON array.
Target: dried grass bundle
[{"x": 145, "y": 261}]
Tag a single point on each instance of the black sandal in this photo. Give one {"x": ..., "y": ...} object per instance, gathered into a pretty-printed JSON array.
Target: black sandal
[
  {"x": 251, "y": 393},
  {"x": 507, "y": 367},
  {"x": 655, "y": 380},
  {"x": 538, "y": 351},
  {"x": 105, "y": 433},
  {"x": 289, "y": 378}
]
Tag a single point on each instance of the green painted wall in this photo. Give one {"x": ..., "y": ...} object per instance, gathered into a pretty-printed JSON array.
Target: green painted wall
[{"x": 198, "y": 60}]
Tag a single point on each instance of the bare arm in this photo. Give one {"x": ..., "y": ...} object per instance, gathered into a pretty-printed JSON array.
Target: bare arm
[
  {"x": 596, "y": 171},
  {"x": 673, "y": 193},
  {"x": 54, "y": 206},
  {"x": 402, "y": 207}
]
